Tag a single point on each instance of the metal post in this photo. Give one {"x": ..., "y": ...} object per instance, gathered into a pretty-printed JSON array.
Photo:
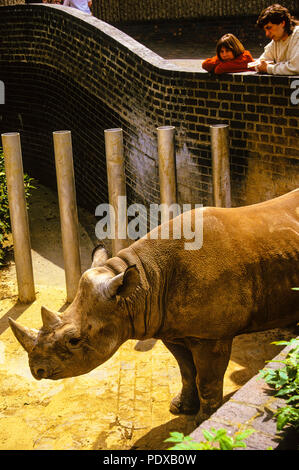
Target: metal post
[
  {"x": 18, "y": 215},
  {"x": 220, "y": 165},
  {"x": 116, "y": 185},
  {"x": 68, "y": 210},
  {"x": 167, "y": 177}
]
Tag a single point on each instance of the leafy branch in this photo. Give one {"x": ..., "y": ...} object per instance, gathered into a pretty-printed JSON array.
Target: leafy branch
[
  {"x": 5, "y": 225},
  {"x": 286, "y": 383},
  {"x": 214, "y": 440}
]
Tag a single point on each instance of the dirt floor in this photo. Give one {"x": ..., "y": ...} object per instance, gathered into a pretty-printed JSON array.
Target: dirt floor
[{"x": 122, "y": 404}]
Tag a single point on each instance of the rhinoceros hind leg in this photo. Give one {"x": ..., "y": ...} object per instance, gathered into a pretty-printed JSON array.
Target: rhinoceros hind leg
[
  {"x": 211, "y": 358},
  {"x": 184, "y": 405},
  {"x": 187, "y": 401}
]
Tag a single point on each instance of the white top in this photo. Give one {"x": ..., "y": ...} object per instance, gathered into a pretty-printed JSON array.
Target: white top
[
  {"x": 284, "y": 54},
  {"x": 79, "y": 4}
]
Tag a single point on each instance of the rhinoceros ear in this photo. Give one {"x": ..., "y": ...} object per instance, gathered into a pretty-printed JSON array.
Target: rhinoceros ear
[
  {"x": 24, "y": 335},
  {"x": 50, "y": 319},
  {"x": 99, "y": 256},
  {"x": 123, "y": 284}
]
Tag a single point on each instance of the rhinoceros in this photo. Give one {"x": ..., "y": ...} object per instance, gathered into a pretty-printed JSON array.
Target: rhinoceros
[{"x": 195, "y": 301}]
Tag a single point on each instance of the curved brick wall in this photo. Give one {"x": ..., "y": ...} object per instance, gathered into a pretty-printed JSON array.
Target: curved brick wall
[{"x": 64, "y": 70}]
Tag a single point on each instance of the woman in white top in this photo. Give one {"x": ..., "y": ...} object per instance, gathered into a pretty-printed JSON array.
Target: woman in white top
[
  {"x": 83, "y": 5},
  {"x": 281, "y": 55}
]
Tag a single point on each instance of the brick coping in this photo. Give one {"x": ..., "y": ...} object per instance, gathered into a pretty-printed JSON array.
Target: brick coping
[{"x": 253, "y": 407}]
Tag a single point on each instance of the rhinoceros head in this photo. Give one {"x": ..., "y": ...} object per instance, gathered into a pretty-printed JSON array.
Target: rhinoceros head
[{"x": 89, "y": 331}]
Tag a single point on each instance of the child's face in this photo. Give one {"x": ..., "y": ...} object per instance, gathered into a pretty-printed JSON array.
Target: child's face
[{"x": 226, "y": 54}]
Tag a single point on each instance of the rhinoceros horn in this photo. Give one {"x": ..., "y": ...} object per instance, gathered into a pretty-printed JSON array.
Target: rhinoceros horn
[
  {"x": 50, "y": 319},
  {"x": 24, "y": 335}
]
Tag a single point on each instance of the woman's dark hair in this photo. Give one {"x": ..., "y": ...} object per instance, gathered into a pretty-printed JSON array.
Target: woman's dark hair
[
  {"x": 276, "y": 14},
  {"x": 229, "y": 41}
]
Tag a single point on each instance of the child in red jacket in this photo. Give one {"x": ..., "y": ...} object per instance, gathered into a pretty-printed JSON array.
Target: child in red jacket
[{"x": 231, "y": 57}]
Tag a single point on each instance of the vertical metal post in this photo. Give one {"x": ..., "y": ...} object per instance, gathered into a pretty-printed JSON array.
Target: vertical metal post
[
  {"x": 220, "y": 165},
  {"x": 68, "y": 210},
  {"x": 166, "y": 154},
  {"x": 116, "y": 185},
  {"x": 18, "y": 215}
]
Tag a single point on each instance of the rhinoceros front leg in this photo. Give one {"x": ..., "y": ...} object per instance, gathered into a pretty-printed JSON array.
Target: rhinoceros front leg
[
  {"x": 187, "y": 401},
  {"x": 211, "y": 358}
]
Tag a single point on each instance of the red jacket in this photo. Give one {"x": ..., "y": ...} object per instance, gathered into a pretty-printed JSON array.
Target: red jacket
[{"x": 238, "y": 64}]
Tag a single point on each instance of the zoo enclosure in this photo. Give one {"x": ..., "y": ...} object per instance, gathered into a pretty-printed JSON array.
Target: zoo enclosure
[{"x": 65, "y": 70}]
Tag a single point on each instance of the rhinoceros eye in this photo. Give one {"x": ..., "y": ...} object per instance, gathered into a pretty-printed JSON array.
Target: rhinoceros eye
[{"x": 74, "y": 341}]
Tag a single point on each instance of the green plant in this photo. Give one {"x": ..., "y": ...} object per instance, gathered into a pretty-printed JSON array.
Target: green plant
[
  {"x": 286, "y": 381},
  {"x": 5, "y": 226},
  {"x": 215, "y": 440}
]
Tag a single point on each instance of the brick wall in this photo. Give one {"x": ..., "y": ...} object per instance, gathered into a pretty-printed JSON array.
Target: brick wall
[
  {"x": 64, "y": 70},
  {"x": 117, "y": 11}
]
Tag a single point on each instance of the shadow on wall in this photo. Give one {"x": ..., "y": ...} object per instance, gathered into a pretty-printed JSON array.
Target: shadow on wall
[{"x": 268, "y": 176}]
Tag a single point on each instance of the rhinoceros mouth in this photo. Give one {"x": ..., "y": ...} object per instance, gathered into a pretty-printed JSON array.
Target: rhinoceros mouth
[
  {"x": 50, "y": 376},
  {"x": 54, "y": 377},
  {"x": 40, "y": 372}
]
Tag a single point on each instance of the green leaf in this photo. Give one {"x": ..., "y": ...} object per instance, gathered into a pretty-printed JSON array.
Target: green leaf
[
  {"x": 243, "y": 434},
  {"x": 208, "y": 436},
  {"x": 226, "y": 443},
  {"x": 282, "y": 420},
  {"x": 293, "y": 398},
  {"x": 175, "y": 437},
  {"x": 239, "y": 444}
]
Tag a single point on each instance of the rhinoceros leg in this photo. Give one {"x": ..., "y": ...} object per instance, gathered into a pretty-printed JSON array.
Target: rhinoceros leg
[
  {"x": 211, "y": 359},
  {"x": 187, "y": 401}
]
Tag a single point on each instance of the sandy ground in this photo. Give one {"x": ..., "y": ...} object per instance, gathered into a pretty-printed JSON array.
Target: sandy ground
[{"x": 122, "y": 404}]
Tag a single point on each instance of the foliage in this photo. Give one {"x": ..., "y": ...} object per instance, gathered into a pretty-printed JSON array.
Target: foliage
[
  {"x": 286, "y": 382},
  {"x": 5, "y": 226},
  {"x": 215, "y": 440}
]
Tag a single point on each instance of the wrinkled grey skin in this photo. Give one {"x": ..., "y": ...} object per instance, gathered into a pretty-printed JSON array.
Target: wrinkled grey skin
[{"x": 195, "y": 301}]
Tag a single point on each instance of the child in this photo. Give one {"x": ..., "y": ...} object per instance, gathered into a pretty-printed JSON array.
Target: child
[{"x": 231, "y": 57}]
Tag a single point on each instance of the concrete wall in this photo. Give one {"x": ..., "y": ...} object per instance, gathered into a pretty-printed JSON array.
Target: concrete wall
[{"x": 65, "y": 70}]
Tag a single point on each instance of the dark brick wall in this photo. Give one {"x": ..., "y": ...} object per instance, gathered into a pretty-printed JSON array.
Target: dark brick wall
[
  {"x": 63, "y": 70},
  {"x": 114, "y": 11},
  {"x": 117, "y": 11}
]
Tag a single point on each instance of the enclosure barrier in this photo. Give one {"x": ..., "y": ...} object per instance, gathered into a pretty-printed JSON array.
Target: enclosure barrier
[
  {"x": 68, "y": 210},
  {"x": 116, "y": 187},
  {"x": 220, "y": 165},
  {"x": 116, "y": 184},
  {"x": 167, "y": 175},
  {"x": 18, "y": 215}
]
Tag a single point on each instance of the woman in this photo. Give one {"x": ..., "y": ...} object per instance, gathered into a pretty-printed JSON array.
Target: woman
[{"x": 231, "y": 57}]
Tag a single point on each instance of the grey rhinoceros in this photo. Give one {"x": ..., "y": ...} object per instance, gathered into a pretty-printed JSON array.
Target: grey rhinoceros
[{"x": 195, "y": 301}]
